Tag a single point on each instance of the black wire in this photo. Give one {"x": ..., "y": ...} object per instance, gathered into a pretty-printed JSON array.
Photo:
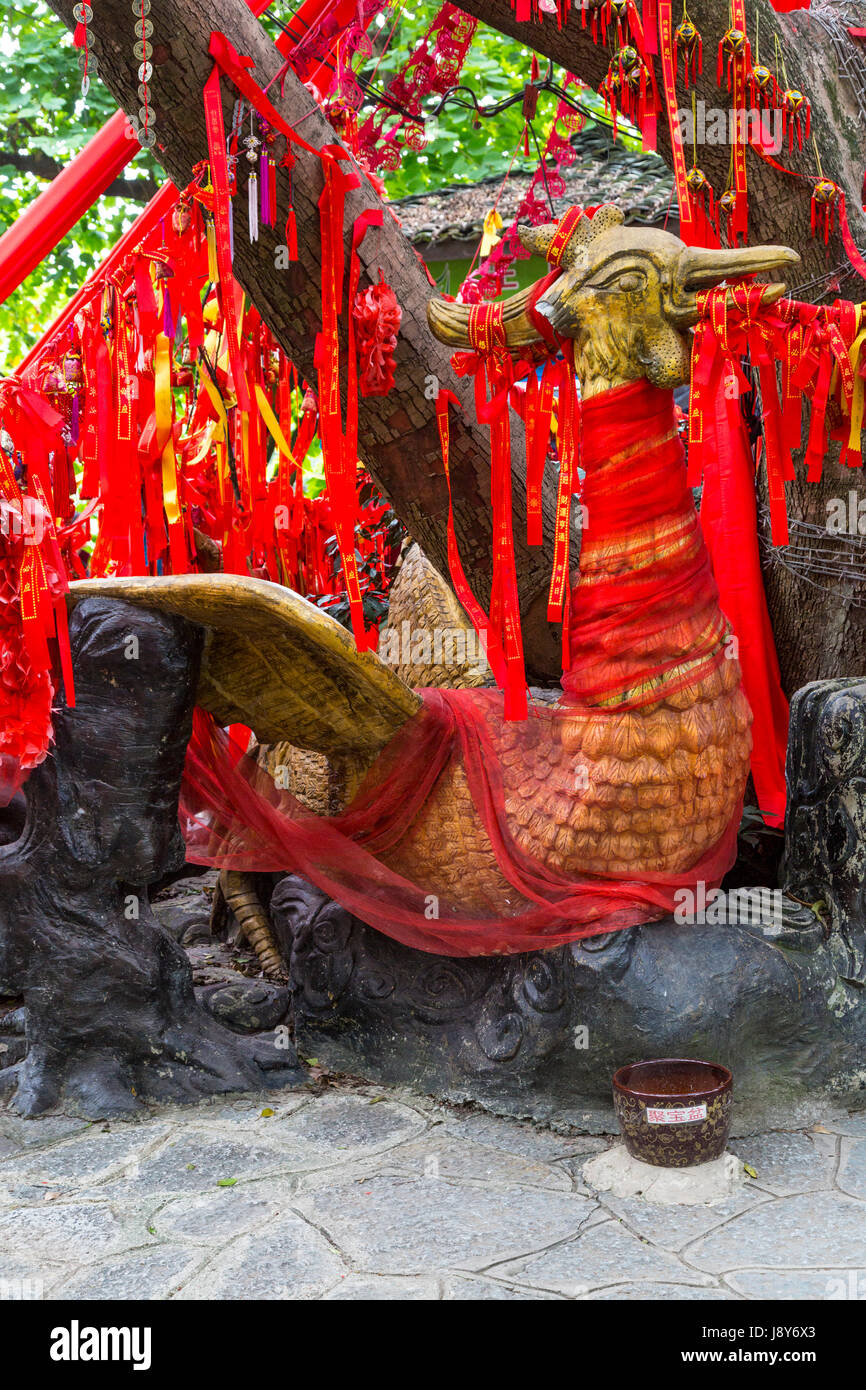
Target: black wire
[
  {"x": 543, "y": 167},
  {"x": 380, "y": 97}
]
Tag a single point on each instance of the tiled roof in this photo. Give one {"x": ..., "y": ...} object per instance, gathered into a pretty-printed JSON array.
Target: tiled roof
[{"x": 641, "y": 184}]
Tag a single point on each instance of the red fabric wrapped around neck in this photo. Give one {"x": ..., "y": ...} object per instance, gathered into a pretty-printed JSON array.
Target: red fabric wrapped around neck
[{"x": 646, "y": 599}]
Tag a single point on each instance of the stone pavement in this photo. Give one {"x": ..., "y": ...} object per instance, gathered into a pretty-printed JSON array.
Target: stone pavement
[{"x": 350, "y": 1191}]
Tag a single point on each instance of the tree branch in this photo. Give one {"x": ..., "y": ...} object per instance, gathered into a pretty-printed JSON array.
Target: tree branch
[{"x": 42, "y": 166}]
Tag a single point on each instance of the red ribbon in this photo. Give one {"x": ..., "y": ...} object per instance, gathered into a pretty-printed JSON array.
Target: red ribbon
[{"x": 216, "y": 140}]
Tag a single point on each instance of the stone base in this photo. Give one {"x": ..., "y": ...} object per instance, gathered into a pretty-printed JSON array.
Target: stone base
[
  {"x": 616, "y": 1172},
  {"x": 540, "y": 1035}
]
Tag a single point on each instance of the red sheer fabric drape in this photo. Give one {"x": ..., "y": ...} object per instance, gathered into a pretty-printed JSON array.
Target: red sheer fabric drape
[
  {"x": 645, "y": 623},
  {"x": 235, "y": 817}
]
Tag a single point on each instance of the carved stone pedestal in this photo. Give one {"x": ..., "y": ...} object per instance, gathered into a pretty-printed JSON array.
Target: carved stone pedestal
[{"x": 771, "y": 988}]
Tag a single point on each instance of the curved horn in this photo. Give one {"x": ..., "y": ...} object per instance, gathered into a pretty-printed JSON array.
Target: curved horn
[
  {"x": 450, "y": 322},
  {"x": 699, "y": 267}
]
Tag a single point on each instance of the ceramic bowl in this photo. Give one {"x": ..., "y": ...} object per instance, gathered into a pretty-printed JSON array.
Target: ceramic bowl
[{"x": 674, "y": 1112}]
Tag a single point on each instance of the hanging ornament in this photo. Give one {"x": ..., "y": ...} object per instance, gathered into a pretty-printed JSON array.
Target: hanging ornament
[
  {"x": 824, "y": 202},
  {"x": 377, "y": 316},
  {"x": 619, "y": 12},
  {"x": 615, "y": 87},
  {"x": 251, "y": 144},
  {"x": 269, "y": 176},
  {"x": 181, "y": 217},
  {"x": 827, "y": 201},
  {"x": 87, "y": 62},
  {"x": 727, "y": 212},
  {"x": 734, "y": 45},
  {"x": 796, "y": 116},
  {"x": 143, "y": 52},
  {"x": 763, "y": 87},
  {"x": 602, "y": 16},
  {"x": 701, "y": 190},
  {"x": 690, "y": 44}
]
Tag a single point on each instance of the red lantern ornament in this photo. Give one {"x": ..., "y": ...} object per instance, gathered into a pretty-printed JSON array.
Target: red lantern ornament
[
  {"x": 690, "y": 44},
  {"x": 796, "y": 116},
  {"x": 763, "y": 87},
  {"x": 727, "y": 211},
  {"x": 701, "y": 191},
  {"x": 825, "y": 196},
  {"x": 734, "y": 45}
]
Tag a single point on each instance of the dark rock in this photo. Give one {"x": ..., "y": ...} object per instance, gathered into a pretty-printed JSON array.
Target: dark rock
[
  {"x": 184, "y": 919},
  {"x": 249, "y": 1006},
  {"x": 110, "y": 1013}
]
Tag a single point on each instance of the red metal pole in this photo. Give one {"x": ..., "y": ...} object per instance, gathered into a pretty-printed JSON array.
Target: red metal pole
[{"x": 66, "y": 199}]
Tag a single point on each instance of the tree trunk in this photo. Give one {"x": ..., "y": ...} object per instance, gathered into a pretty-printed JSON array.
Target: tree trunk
[
  {"x": 398, "y": 438},
  {"x": 820, "y": 632}
]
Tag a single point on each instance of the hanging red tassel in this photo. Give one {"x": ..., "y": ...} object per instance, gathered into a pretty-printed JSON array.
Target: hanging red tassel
[
  {"x": 690, "y": 44},
  {"x": 796, "y": 116},
  {"x": 823, "y": 205}
]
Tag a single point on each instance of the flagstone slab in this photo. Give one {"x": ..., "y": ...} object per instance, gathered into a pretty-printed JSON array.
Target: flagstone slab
[
  {"x": 89, "y": 1158},
  {"x": 603, "y": 1254},
  {"x": 812, "y": 1284},
  {"x": 195, "y": 1160},
  {"x": 787, "y": 1163},
  {"x": 209, "y": 1218},
  {"x": 77, "y": 1232},
  {"x": 392, "y": 1224},
  {"x": 672, "y": 1227},
  {"x": 44, "y": 1129},
  {"x": 818, "y": 1229},
  {"x": 289, "y": 1260},
  {"x": 355, "y": 1288},
  {"x": 458, "y": 1290},
  {"x": 515, "y": 1137},
  {"x": 441, "y": 1155},
  {"x": 338, "y": 1126},
  {"x": 661, "y": 1293},
  {"x": 142, "y": 1274},
  {"x": 852, "y": 1168},
  {"x": 246, "y": 1114}
]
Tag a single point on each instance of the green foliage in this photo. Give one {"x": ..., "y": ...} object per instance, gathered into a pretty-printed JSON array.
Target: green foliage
[
  {"x": 457, "y": 150},
  {"x": 44, "y": 122}
]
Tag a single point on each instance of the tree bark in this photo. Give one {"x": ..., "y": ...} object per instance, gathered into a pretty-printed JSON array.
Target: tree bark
[
  {"x": 398, "y": 437},
  {"x": 820, "y": 632}
]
